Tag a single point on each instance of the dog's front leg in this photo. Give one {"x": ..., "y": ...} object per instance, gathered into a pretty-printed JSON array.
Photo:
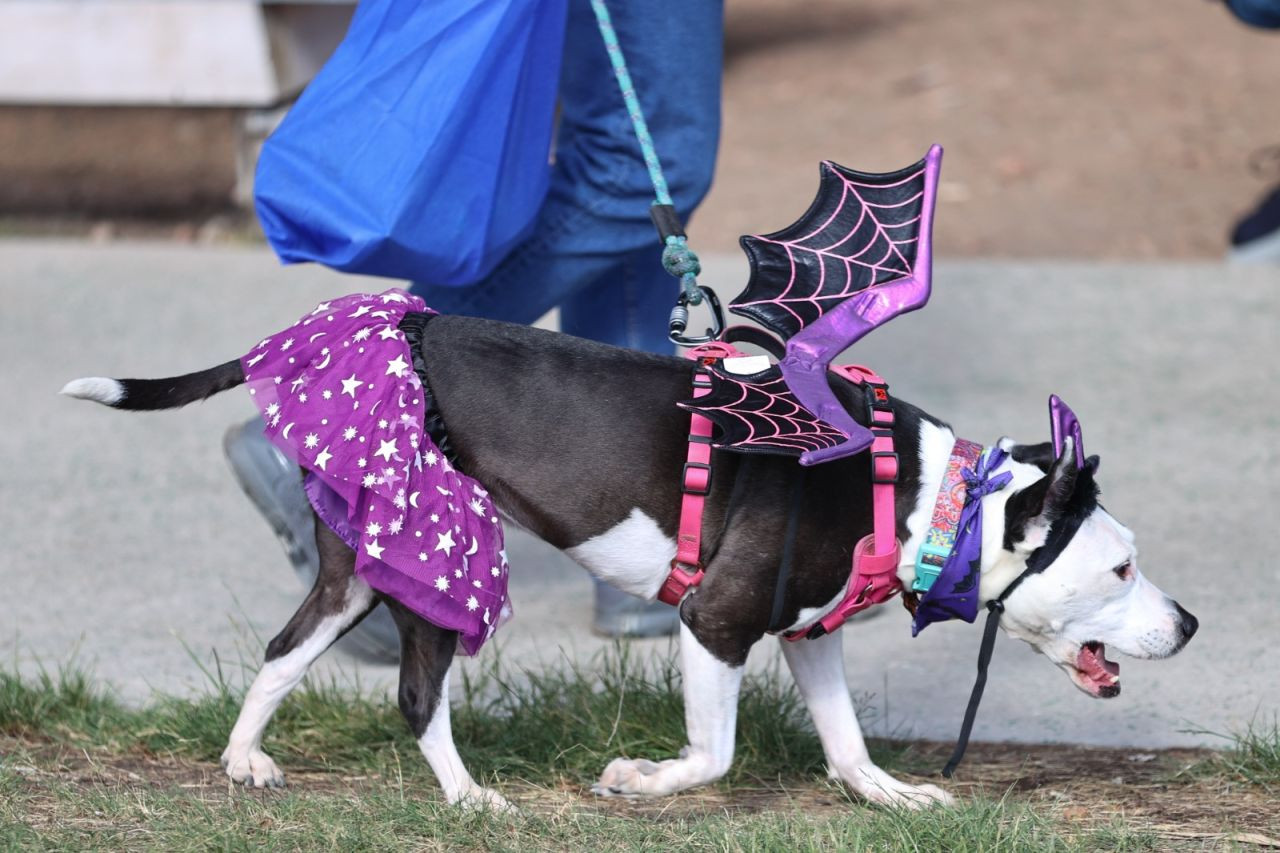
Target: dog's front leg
[
  {"x": 710, "y": 712},
  {"x": 818, "y": 668}
]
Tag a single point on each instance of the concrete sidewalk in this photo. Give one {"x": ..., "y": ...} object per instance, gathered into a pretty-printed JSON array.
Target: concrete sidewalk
[{"x": 131, "y": 550}]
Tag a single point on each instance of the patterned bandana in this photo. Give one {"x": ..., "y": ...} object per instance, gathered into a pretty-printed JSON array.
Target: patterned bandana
[
  {"x": 341, "y": 398},
  {"x": 954, "y": 595}
]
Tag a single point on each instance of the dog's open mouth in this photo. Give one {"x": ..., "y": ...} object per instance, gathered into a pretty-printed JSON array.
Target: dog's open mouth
[{"x": 1096, "y": 675}]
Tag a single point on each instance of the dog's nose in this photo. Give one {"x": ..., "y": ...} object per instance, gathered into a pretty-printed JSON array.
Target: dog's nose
[{"x": 1186, "y": 622}]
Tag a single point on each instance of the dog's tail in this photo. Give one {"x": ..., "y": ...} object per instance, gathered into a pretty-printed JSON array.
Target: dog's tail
[{"x": 151, "y": 394}]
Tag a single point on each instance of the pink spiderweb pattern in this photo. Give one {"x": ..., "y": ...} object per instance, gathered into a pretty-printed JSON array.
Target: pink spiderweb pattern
[
  {"x": 762, "y": 415},
  {"x": 867, "y": 233}
]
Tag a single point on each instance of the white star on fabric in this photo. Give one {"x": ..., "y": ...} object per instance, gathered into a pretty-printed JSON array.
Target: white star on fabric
[
  {"x": 271, "y": 410},
  {"x": 388, "y": 333},
  {"x": 321, "y": 308},
  {"x": 302, "y": 398},
  {"x": 297, "y": 383},
  {"x": 445, "y": 542},
  {"x": 373, "y": 549},
  {"x": 435, "y": 519},
  {"x": 361, "y": 462},
  {"x": 431, "y": 458},
  {"x": 397, "y": 366},
  {"x": 369, "y": 481},
  {"x": 395, "y": 526},
  {"x": 362, "y": 335},
  {"x": 328, "y": 395},
  {"x": 422, "y": 555},
  {"x": 477, "y": 506},
  {"x": 477, "y": 584},
  {"x": 399, "y": 500},
  {"x": 257, "y": 358},
  {"x": 386, "y": 449},
  {"x": 360, "y": 312},
  {"x": 373, "y": 529},
  {"x": 475, "y": 487},
  {"x": 348, "y": 433},
  {"x": 392, "y": 297},
  {"x": 442, "y": 583},
  {"x": 311, "y": 441},
  {"x": 472, "y": 604},
  {"x": 323, "y": 457},
  {"x": 503, "y": 554},
  {"x": 350, "y": 385},
  {"x": 382, "y": 423},
  {"x": 288, "y": 343}
]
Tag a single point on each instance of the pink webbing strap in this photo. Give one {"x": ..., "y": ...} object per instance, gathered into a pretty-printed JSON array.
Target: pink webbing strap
[
  {"x": 874, "y": 578},
  {"x": 695, "y": 482}
]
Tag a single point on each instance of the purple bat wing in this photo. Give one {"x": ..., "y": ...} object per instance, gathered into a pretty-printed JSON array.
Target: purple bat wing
[
  {"x": 858, "y": 258},
  {"x": 759, "y": 414}
]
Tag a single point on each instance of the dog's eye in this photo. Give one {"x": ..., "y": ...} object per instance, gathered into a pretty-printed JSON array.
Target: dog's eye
[{"x": 1123, "y": 571}]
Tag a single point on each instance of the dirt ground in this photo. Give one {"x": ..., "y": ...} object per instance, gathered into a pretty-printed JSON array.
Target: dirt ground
[
  {"x": 1173, "y": 795},
  {"x": 1089, "y": 129}
]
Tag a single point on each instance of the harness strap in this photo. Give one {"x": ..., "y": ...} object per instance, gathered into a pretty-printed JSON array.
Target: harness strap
[
  {"x": 695, "y": 482},
  {"x": 874, "y": 576}
]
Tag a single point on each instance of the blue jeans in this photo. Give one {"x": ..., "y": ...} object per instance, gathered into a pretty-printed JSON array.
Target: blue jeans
[
  {"x": 1258, "y": 13},
  {"x": 593, "y": 251}
]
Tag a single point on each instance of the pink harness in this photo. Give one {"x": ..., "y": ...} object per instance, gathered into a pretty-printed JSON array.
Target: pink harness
[{"x": 873, "y": 579}]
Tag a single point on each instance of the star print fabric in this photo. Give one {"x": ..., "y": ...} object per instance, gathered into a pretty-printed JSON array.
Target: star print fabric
[{"x": 340, "y": 396}]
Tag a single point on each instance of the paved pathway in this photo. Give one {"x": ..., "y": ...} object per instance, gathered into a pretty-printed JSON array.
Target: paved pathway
[{"x": 131, "y": 550}]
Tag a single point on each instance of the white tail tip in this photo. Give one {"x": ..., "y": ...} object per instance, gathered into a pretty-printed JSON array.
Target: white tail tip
[{"x": 96, "y": 388}]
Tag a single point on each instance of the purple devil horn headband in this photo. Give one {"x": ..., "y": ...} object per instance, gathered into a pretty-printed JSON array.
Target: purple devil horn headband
[{"x": 1062, "y": 423}]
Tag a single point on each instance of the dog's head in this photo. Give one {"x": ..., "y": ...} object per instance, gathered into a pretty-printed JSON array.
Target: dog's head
[{"x": 1077, "y": 589}]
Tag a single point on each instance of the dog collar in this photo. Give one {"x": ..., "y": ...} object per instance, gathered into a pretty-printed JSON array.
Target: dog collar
[
  {"x": 953, "y": 590},
  {"x": 941, "y": 537}
]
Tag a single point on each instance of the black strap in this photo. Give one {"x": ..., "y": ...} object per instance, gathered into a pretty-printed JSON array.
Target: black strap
[
  {"x": 994, "y": 608},
  {"x": 788, "y": 553},
  {"x": 735, "y": 500},
  {"x": 756, "y": 337}
]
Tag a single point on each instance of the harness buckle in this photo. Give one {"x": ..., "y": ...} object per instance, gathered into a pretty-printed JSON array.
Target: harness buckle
[
  {"x": 680, "y": 579},
  {"x": 888, "y": 478},
  {"x": 691, "y": 488},
  {"x": 929, "y": 562}
]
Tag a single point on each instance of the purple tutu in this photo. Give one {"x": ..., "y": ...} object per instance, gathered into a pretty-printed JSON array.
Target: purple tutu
[{"x": 340, "y": 397}]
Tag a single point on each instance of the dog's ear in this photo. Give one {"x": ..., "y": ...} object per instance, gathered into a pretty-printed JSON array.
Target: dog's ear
[
  {"x": 1039, "y": 455},
  {"x": 1030, "y": 512}
]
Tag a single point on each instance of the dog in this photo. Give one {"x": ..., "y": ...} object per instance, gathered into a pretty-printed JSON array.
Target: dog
[{"x": 583, "y": 445}]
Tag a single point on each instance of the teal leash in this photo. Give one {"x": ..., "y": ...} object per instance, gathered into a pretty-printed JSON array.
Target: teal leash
[{"x": 677, "y": 258}]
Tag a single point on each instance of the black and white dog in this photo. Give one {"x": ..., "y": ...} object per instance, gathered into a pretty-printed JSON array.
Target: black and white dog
[{"x": 583, "y": 445}]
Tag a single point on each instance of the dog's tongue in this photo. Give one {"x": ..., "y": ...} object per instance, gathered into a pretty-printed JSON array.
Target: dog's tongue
[{"x": 1092, "y": 661}]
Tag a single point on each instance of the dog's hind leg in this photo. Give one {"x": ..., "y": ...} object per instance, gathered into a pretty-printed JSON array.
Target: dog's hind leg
[
  {"x": 426, "y": 652},
  {"x": 338, "y": 601},
  {"x": 711, "y": 714},
  {"x": 818, "y": 669}
]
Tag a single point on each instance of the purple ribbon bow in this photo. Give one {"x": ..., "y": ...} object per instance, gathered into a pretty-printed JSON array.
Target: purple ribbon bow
[{"x": 954, "y": 594}]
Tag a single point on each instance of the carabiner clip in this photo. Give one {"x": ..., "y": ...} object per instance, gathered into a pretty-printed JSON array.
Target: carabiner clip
[{"x": 680, "y": 320}]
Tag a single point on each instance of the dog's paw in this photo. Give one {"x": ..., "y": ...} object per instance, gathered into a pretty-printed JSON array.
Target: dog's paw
[
  {"x": 882, "y": 789},
  {"x": 252, "y": 768},
  {"x": 628, "y": 777},
  {"x": 485, "y": 799}
]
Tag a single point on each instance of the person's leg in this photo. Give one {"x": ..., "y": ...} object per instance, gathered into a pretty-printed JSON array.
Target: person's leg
[{"x": 595, "y": 223}]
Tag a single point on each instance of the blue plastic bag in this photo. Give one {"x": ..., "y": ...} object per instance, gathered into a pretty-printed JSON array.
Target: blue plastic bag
[{"x": 420, "y": 150}]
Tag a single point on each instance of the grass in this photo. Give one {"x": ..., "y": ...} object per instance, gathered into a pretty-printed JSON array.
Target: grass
[{"x": 80, "y": 770}]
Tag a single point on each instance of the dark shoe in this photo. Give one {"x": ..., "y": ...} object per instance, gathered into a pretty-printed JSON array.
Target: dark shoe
[
  {"x": 618, "y": 614},
  {"x": 1256, "y": 237},
  {"x": 272, "y": 484}
]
